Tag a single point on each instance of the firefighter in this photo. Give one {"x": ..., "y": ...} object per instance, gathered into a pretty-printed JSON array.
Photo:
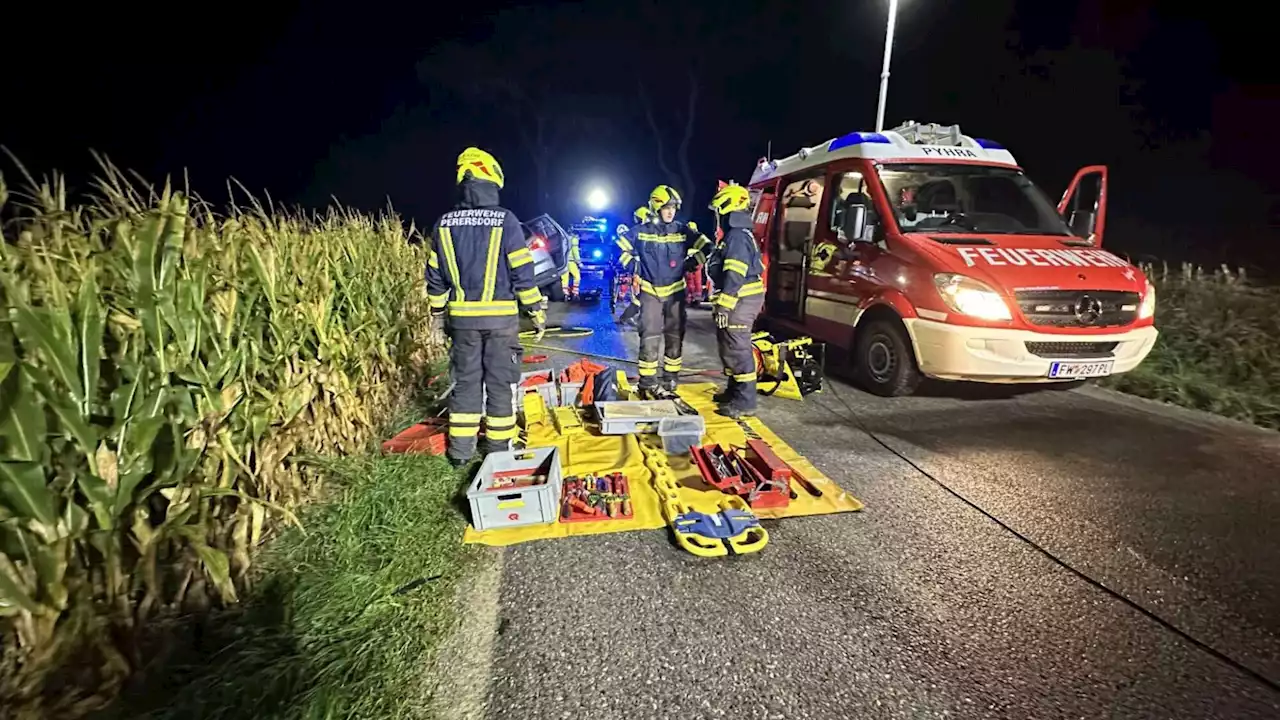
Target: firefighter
[
  {"x": 696, "y": 279},
  {"x": 665, "y": 250},
  {"x": 737, "y": 271},
  {"x": 572, "y": 276},
  {"x": 626, "y": 258},
  {"x": 478, "y": 271}
]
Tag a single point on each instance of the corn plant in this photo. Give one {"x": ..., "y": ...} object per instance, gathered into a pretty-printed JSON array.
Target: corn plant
[{"x": 164, "y": 372}]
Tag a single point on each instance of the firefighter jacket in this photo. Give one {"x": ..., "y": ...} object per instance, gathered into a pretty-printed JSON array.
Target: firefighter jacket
[
  {"x": 626, "y": 249},
  {"x": 478, "y": 266},
  {"x": 737, "y": 267},
  {"x": 661, "y": 250},
  {"x": 575, "y": 253}
]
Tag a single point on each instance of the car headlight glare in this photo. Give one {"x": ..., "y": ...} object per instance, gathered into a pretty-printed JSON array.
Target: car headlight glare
[{"x": 971, "y": 297}]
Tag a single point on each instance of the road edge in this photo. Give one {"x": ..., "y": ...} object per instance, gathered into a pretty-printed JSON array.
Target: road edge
[
  {"x": 1201, "y": 418},
  {"x": 458, "y": 674}
]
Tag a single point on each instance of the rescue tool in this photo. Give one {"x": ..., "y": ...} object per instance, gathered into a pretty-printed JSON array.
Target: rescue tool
[{"x": 788, "y": 369}]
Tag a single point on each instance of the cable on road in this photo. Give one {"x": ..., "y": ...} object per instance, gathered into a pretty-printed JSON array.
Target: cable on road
[
  {"x": 561, "y": 332},
  {"x": 1098, "y": 584},
  {"x": 599, "y": 356}
]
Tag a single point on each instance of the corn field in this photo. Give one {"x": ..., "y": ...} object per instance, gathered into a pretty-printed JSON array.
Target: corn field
[{"x": 165, "y": 370}]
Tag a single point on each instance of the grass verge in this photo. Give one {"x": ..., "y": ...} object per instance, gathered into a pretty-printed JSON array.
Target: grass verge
[
  {"x": 1219, "y": 346},
  {"x": 345, "y": 617}
]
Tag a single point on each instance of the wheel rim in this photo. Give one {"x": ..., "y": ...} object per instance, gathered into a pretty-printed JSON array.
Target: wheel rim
[{"x": 880, "y": 360}]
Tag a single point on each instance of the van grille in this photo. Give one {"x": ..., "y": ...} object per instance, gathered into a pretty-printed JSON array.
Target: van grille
[
  {"x": 1074, "y": 350},
  {"x": 1078, "y": 308}
]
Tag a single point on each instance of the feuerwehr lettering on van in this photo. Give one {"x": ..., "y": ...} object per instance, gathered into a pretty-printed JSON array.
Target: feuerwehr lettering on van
[{"x": 1040, "y": 257}]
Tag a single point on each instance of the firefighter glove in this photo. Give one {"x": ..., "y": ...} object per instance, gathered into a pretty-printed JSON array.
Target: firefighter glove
[
  {"x": 721, "y": 316},
  {"x": 539, "y": 322}
]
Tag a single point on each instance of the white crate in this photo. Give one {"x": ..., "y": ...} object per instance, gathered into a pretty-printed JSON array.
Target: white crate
[{"x": 533, "y": 505}]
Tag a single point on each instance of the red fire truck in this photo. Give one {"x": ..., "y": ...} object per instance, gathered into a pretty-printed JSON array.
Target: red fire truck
[{"x": 924, "y": 252}]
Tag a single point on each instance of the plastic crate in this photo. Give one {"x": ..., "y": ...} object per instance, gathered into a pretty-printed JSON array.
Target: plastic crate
[
  {"x": 510, "y": 507},
  {"x": 681, "y": 434},
  {"x": 547, "y": 390},
  {"x": 569, "y": 392},
  {"x": 630, "y": 425}
]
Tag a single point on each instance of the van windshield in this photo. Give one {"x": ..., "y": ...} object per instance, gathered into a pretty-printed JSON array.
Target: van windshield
[{"x": 937, "y": 197}]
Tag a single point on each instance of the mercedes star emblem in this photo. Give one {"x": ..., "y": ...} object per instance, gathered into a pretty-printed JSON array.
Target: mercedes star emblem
[{"x": 1088, "y": 309}]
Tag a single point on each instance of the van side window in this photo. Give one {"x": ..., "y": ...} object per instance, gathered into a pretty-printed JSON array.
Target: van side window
[
  {"x": 800, "y": 202},
  {"x": 853, "y": 190}
]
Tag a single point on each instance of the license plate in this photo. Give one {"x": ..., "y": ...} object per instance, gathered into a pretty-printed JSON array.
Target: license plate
[{"x": 1097, "y": 368}]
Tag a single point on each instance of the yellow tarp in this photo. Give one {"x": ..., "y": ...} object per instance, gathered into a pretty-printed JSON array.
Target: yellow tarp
[{"x": 587, "y": 453}]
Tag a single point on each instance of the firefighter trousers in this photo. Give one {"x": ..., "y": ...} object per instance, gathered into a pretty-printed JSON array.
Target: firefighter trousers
[
  {"x": 571, "y": 278},
  {"x": 737, "y": 353},
  {"x": 485, "y": 367},
  {"x": 662, "y": 322}
]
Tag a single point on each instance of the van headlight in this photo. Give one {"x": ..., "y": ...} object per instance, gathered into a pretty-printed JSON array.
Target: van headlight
[
  {"x": 970, "y": 297},
  {"x": 1148, "y": 307}
]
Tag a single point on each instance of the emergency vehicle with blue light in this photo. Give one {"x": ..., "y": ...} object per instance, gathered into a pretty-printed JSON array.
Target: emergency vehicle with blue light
[{"x": 925, "y": 252}]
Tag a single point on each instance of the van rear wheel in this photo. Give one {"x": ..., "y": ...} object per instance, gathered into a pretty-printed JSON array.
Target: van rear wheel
[{"x": 883, "y": 362}]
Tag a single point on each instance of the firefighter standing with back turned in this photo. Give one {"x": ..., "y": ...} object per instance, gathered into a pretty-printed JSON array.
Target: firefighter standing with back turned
[
  {"x": 664, "y": 250},
  {"x": 478, "y": 267},
  {"x": 627, "y": 258},
  {"x": 741, "y": 297}
]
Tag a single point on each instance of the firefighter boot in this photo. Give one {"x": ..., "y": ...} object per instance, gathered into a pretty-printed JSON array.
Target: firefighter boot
[
  {"x": 669, "y": 382},
  {"x": 729, "y": 392},
  {"x": 741, "y": 402}
]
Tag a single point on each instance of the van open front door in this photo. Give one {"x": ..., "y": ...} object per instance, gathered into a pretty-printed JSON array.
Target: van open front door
[{"x": 1084, "y": 204}]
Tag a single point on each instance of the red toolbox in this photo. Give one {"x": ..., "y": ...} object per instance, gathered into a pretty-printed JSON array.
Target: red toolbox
[{"x": 428, "y": 436}]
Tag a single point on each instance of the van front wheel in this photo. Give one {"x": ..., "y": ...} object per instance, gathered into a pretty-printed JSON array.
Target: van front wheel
[{"x": 883, "y": 362}]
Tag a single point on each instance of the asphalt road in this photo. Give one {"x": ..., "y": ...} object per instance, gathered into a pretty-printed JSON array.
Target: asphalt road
[{"x": 922, "y": 605}]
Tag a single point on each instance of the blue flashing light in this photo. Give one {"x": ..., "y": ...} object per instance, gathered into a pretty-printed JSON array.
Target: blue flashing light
[
  {"x": 989, "y": 144},
  {"x": 857, "y": 138},
  {"x": 597, "y": 254}
]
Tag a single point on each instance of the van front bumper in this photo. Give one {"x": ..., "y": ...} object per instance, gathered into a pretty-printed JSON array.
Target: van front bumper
[{"x": 1004, "y": 355}]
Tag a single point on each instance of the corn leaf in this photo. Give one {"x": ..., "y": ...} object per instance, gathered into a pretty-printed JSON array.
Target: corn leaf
[
  {"x": 90, "y": 319},
  {"x": 69, "y": 417},
  {"x": 12, "y": 594},
  {"x": 215, "y": 562},
  {"x": 38, "y": 334},
  {"x": 23, "y": 486},
  {"x": 22, "y": 420}
]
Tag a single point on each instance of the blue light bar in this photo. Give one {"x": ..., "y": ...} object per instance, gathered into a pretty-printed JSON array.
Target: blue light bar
[
  {"x": 857, "y": 138},
  {"x": 989, "y": 144}
]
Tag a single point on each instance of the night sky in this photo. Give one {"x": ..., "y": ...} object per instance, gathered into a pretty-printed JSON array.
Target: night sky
[{"x": 368, "y": 100}]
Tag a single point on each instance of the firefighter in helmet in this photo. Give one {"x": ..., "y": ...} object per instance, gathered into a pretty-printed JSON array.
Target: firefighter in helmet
[
  {"x": 665, "y": 249},
  {"x": 479, "y": 277},
  {"x": 572, "y": 276},
  {"x": 626, "y": 258},
  {"x": 736, "y": 271}
]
